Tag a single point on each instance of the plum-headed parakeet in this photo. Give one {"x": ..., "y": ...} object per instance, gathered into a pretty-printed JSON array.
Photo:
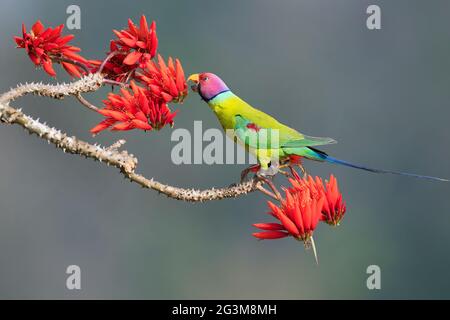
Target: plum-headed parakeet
[{"x": 247, "y": 123}]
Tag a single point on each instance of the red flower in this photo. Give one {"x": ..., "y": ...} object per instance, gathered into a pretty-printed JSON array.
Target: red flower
[
  {"x": 299, "y": 214},
  {"x": 313, "y": 186},
  {"x": 334, "y": 207},
  {"x": 159, "y": 114},
  {"x": 166, "y": 82},
  {"x": 139, "y": 44},
  {"x": 306, "y": 203},
  {"x": 114, "y": 68},
  {"x": 45, "y": 46},
  {"x": 126, "y": 111}
]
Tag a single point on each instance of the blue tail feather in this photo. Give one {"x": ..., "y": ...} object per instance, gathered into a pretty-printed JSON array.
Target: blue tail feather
[{"x": 329, "y": 159}]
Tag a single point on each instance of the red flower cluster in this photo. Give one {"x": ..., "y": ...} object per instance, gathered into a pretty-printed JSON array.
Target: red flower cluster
[
  {"x": 128, "y": 61},
  {"x": 333, "y": 209},
  {"x": 139, "y": 44},
  {"x": 166, "y": 82},
  {"x": 299, "y": 215},
  {"x": 128, "y": 111},
  {"x": 334, "y": 206},
  {"x": 132, "y": 49},
  {"x": 306, "y": 203},
  {"x": 130, "y": 58},
  {"x": 45, "y": 46}
]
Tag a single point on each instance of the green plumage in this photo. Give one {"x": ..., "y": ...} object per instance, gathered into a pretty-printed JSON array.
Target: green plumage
[{"x": 253, "y": 128}]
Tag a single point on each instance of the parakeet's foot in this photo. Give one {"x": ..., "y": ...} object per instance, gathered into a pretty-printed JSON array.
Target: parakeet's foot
[
  {"x": 253, "y": 168},
  {"x": 270, "y": 171},
  {"x": 268, "y": 180},
  {"x": 295, "y": 160},
  {"x": 284, "y": 165}
]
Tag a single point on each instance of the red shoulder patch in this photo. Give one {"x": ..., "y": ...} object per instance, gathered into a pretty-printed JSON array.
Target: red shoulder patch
[
  {"x": 295, "y": 159},
  {"x": 253, "y": 127}
]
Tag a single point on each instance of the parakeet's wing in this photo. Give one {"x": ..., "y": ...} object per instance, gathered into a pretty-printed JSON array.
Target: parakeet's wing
[
  {"x": 308, "y": 141},
  {"x": 256, "y": 136},
  {"x": 250, "y": 134}
]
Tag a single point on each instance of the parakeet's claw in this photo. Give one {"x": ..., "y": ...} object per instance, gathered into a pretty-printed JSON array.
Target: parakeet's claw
[
  {"x": 246, "y": 171},
  {"x": 283, "y": 165},
  {"x": 302, "y": 169},
  {"x": 268, "y": 180}
]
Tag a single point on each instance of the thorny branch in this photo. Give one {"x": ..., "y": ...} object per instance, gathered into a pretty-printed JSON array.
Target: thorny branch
[{"x": 122, "y": 160}]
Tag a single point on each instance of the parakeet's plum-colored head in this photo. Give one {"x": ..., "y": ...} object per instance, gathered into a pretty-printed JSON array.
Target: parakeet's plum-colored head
[{"x": 208, "y": 85}]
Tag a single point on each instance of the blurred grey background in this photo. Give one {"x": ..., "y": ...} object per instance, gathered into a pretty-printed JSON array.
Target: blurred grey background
[{"x": 384, "y": 95}]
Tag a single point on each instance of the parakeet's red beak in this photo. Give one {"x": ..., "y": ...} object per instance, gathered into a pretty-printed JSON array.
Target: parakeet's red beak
[{"x": 194, "y": 78}]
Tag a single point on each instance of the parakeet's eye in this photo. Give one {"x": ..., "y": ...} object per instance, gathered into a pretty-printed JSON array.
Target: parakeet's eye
[{"x": 205, "y": 79}]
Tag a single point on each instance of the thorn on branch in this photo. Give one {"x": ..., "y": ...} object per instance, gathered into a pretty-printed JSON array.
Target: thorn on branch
[{"x": 116, "y": 145}]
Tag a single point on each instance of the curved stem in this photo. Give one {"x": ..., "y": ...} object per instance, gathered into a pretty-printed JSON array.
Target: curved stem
[
  {"x": 115, "y": 83},
  {"x": 76, "y": 63},
  {"x": 267, "y": 192},
  {"x": 86, "y": 103},
  {"x": 130, "y": 74},
  {"x": 272, "y": 186},
  {"x": 108, "y": 57}
]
